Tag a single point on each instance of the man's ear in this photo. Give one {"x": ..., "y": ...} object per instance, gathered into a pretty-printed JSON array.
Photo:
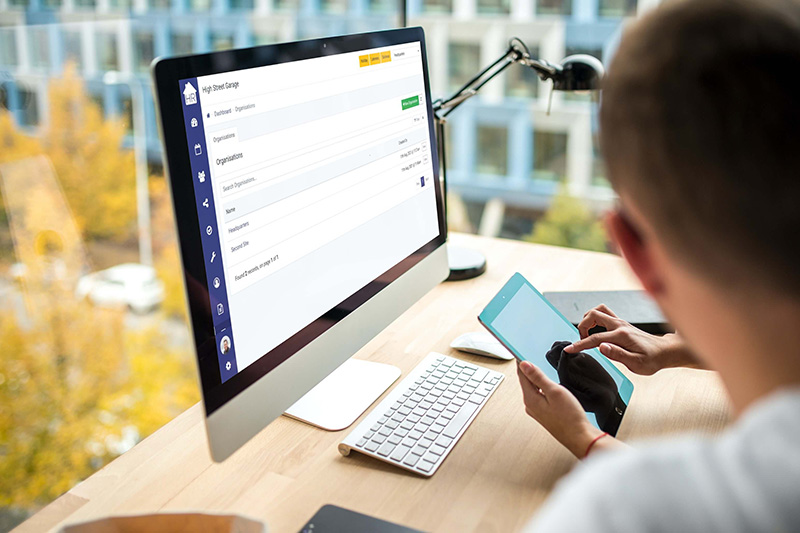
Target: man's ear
[{"x": 636, "y": 251}]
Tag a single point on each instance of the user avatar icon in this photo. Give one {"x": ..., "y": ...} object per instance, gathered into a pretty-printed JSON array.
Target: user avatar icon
[
  {"x": 225, "y": 345},
  {"x": 216, "y": 283}
]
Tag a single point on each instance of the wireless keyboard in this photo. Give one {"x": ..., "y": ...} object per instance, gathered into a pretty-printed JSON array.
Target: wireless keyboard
[{"x": 421, "y": 419}]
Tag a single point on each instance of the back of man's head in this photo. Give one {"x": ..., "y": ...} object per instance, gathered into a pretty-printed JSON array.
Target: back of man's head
[{"x": 700, "y": 124}]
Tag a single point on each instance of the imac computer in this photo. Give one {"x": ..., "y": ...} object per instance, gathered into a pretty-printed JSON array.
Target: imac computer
[{"x": 305, "y": 186}]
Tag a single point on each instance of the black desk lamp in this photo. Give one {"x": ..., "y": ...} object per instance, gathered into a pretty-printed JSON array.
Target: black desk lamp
[{"x": 575, "y": 73}]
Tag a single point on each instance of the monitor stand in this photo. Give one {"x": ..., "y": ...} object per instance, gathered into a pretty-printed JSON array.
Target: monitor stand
[{"x": 339, "y": 399}]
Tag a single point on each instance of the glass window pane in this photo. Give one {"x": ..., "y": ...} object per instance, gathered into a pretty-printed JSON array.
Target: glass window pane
[
  {"x": 437, "y": 6},
  {"x": 521, "y": 81},
  {"x": 333, "y": 6},
  {"x": 159, "y": 4},
  {"x": 463, "y": 63},
  {"x": 181, "y": 44},
  {"x": 143, "y": 50},
  {"x": 242, "y": 4},
  {"x": 221, "y": 41},
  {"x": 126, "y": 112},
  {"x": 549, "y": 156},
  {"x": 492, "y": 151},
  {"x": 73, "y": 50},
  {"x": 617, "y": 8},
  {"x": 19, "y": 3},
  {"x": 86, "y": 4},
  {"x": 382, "y": 6},
  {"x": 29, "y": 115},
  {"x": 554, "y": 7},
  {"x": 287, "y": 5},
  {"x": 200, "y": 5},
  {"x": 107, "y": 51},
  {"x": 39, "y": 46},
  {"x": 8, "y": 47},
  {"x": 494, "y": 7}
]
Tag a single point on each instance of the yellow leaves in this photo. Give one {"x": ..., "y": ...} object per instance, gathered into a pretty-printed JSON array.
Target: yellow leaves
[{"x": 568, "y": 222}]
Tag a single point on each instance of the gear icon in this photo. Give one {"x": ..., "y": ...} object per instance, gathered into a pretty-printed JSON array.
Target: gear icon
[{"x": 228, "y": 365}]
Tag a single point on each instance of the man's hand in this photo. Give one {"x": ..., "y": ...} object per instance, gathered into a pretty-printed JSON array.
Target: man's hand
[
  {"x": 641, "y": 352},
  {"x": 555, "y": 408}
]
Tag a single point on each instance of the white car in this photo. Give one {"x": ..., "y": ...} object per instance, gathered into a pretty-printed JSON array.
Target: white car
[{"x": 131, "y": 285}]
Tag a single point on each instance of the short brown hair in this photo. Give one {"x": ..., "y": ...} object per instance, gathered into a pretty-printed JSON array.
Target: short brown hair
[{"x": 700, "y": 126}]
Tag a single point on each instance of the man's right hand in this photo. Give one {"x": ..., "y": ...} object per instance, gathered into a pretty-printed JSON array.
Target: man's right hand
[{"x": 641, "y": 352}]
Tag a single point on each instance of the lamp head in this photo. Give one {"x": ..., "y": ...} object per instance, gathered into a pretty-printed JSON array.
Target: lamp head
[{"x": 579, "y": 72}]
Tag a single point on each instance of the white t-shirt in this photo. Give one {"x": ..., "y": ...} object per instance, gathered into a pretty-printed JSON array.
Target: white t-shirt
[{"x": 746, "y": 480}]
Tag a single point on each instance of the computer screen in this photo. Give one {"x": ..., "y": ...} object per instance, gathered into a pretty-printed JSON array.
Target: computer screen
[{"x": 312, "y": 178}]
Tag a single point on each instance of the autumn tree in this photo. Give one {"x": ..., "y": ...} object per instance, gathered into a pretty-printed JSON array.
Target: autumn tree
[{"x": 568, "y": 222}]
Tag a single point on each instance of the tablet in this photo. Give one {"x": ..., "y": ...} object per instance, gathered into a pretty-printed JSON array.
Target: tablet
[{"x": 533, "y": 330}]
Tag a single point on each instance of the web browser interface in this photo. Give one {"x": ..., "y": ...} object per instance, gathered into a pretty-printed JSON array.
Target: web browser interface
[{"x": 311, "y": 178}]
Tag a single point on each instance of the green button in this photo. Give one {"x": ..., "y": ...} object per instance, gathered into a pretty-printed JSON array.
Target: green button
[{"x": 410, "y": 102}]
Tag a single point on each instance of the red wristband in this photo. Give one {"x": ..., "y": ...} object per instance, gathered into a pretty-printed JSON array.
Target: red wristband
[{"x": 594, "y": 440}]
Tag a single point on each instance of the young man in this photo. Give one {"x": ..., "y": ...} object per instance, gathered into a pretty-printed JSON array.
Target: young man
[{"x": 700, "y": 125}]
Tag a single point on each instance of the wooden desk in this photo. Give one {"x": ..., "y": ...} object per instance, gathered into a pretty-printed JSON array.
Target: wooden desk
[{"x": 494, "y": 479}]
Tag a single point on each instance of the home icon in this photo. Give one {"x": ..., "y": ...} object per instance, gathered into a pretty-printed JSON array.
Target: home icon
[{"x": 190, "y": 94}]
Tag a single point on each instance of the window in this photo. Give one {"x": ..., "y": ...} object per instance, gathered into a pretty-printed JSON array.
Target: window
[
  {"x": 437, "y": 6},
  {"x": 182, "y": 44},
  {"x": 494, "y": 7},
  {"x": 200, "y": 5},
  {"x": 333, "y": 6},
  {"x": 19, "y": 3},
  {"x": 264, "y": 38},
  {"x": 287, "y": 5},
  {"x": 86, "y": 4},
  {"x": 126, "y": 112},
  {"x": 382, "y": 6},
  {"x": 107, "y": 51},
  {"x": 29, "y": 107},
  {"x": 598, "y": 165},
  {"x": 119, "y": 4},
  {"x": 492, "y": 153},
  {"x": 617, "y": 8},
  {"x": 463, "y": 63},
  {"x": 8, "y": 47},
  {"x": 242, "y": 5},
  {"x": 549, "y": 156},
  {"x": 159, "y": 4},
  {"x": 144, "y": 50},
  {"x": 39, "y": 46},
  {"x": 221, "y": 41},
  {"x": 554, "y": 7},
  {"x": 521, "y": 81},
  {"x": 73, "y": 49}
]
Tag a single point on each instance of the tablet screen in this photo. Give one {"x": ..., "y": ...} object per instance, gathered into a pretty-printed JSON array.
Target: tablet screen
[{"x": 523, "y": 320}]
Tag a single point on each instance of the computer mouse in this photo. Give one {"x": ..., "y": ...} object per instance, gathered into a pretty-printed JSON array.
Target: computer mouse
[{"x": 481, "y": 343}]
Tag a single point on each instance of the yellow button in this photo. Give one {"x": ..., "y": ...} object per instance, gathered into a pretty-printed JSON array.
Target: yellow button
[
  {"x": 386, "y": 57},
  {"x": 374, "y": 59},
  {"x": 363, "y": 61}
]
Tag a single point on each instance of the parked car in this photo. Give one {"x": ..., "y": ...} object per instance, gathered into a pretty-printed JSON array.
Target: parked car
[{"x": 131, "y": 285}]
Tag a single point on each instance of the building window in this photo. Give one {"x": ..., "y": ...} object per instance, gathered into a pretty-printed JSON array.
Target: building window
[
  {"x": 554, "y": 7},
  {"x": 287, "y": 5},
  {"x": 199, "y": 5},
  {"x": 494, "y": 7},
  {"x": 29, "y": 107},
  {"x": 144, "y": 50},
  {"x": 8, "y": 47},
  {"x": 159, "y": 4},
  {"x": 221, "y": 41},
  {"x": 464, "y": 61},
  {"x": 599, "y": 178},
  {"x": 39, "y": 42},
  {"x": 86, "y": 4},
  {"x": 51, "y": 4},
  {"x": 126, "y": 113},
  {"x": 549, "y": 156},
  {"x": 107, "y": 51},
  {"x": 333, "y": 6},
  {"x": 492, "y": 150},
  {"x": 521, "y": 81},
  {"x": 119, "y": 4},
  {"x": 19, "y": 3},
  {"x": 437, "y": 6},
  {"x": 382, "y": 6},
  {"x": 73, "y": 50},
  {"x": 617, "y": 8},
  {"x": 182, "y": 44},
  {"x": 243, "y": 5}
]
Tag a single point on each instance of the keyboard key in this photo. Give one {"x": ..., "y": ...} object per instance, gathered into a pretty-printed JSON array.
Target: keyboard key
[
  {"x": 458, "y": 402},
  {"x": 397, "y": 417},
  {"x": 396, "y": 405},
  {"x": 448, "y": 394},
  {"x": 431, "y": 435},
  {"x": 462, "y": 396},
  {"x": 407, "y": 425},
  {"x": 411, "y": 459},
  {"x": 427, "y": 420},
  {"x": 453, "y": 407},
  {"x": 414, "y": 434},
  {"x": 476, "y": 398},
  {"x": 394, "y": 439},
  {"x": 437, "y": 449},
  {"x": 426, "y": 442},
  {"x": 378, "y": 438},
  {"x": 460, "y": 420},
  {"x": 405, "y": 411},
  {"x": 371, "y": 446},
  {"x": 480, "y": 373},
  {"x": 482, "y": 392},
  {"x": 391, "y": 424},
  {"x": 401, "y": 432},
  {"x": 368, "y": 435},
  {"x": 408, "y": 441},
  {"x": 386, "y": 448},
  {"x": 419, "y": 450},
  {"x": 444, "y": 441},
  {"x": 376, "y": 427},
  {"x": 413, "y": 418},
  {"x": 425, "y": 466},
  {"x": 419, "y": 411},
  {"x": 425, "y": 405},
  {"x": 385, "y": 431},
  {"x": 459, "y": 383},
  {"x": 417, "y": 397},
  {"x": 382, "y": 420},
  {"x": 430, "y": 457},
  {"x": 361, "y": 443},
  {"x": 400, "y": 452},
  {"x": 447, "y": 415}
]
